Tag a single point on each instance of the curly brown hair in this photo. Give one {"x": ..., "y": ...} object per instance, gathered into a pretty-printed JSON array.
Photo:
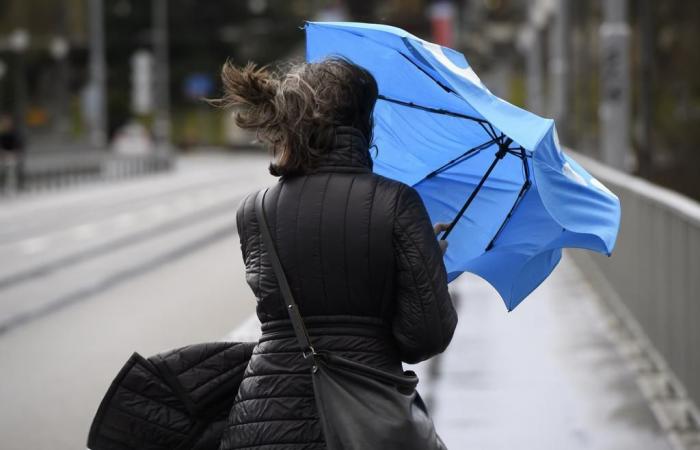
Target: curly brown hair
[{"x": 295, "y": 112}]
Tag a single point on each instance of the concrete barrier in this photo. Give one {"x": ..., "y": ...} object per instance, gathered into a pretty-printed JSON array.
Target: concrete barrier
[{"x": 655, "y": 273}]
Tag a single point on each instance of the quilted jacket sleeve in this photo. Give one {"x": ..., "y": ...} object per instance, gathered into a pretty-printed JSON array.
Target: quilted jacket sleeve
[
  {"x": 250, "y": 242},
  {"x": 249, "y": 236},
  {"x": 425, "y": 318},
  {"x": 244, "y": 211}
]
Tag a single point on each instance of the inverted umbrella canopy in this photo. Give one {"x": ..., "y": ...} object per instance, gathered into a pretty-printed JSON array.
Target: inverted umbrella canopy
[{"x": 493, "y": 170}]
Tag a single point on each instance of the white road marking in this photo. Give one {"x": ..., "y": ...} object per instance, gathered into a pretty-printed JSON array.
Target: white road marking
[
  {"x": 184, "y": 203},
  {"x": 84, "y": 231},
  {"x": 125, "y": 220},
  {"x": 34, "y": 245},
  {"x": 204, "y": 198},
  {"x": 159, "y": 211}
]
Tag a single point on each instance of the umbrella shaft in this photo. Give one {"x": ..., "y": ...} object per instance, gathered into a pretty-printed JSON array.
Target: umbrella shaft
[{"x": 471, "y": 197}]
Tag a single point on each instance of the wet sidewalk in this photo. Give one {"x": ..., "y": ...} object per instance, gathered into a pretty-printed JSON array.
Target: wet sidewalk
[{"x": 545, "y": 376}]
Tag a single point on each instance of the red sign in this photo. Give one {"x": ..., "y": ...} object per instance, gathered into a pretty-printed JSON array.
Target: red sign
[{"x": 442, "y": 15}]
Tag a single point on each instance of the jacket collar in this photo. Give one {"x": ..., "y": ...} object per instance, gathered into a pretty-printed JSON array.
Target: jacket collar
[{"x": 349, "y": 153}]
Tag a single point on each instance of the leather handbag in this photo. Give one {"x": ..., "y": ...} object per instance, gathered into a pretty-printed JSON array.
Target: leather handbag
[{"x": 360, "y": 407}]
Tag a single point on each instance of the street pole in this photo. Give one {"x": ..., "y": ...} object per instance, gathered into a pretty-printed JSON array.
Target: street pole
[
  {"x": 614, "y": 111},
  {"x": 3, "y": 71},
  {"x": 533, "y": 70},
  {"x": 532, "y": 47},
  {"x": 98, "y": 75},
  {"x": 646, "y": 83},
  {"x": 161, "y": 126},
  {"x": 59, "y": 49},
  {"x": 20, "y": 113},
  {"x": 61, "y": 108},
  {"x": 19, "y": 43},
  {"x": 558, "y": 67}
]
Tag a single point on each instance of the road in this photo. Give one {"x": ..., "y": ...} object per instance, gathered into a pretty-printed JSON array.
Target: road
[{"x": 91, "y": 275}]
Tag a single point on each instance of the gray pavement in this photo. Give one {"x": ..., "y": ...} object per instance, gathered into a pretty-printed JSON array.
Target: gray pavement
[
  {"x": 56, "y": 369},
  {"x": 92, "y": 274},
  {"x": 545, "y": 376},
  {"x": 63, "y": 247}
]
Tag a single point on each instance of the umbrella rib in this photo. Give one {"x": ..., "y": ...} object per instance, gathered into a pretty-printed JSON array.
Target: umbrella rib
[
  {"x": 525, "y": 187},
  {"x": 492, "y": 133},
  {"x": 502, "y": 151},
  {"x": 482, "y": 122},
  {"x": 461, "y": 158},
  {"x": 500, "y": 154},
  {"x": 438, "y": 82},
  {"x": 519, "y": 152},
  {"x": 434, "y": 110}
]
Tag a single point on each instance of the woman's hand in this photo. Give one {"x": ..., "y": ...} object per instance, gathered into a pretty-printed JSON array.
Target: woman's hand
[{"x": 439, "y": 228}]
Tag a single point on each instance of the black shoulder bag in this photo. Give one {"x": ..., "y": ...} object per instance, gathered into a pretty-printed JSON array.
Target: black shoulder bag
[{"x": 360, "y": 407}]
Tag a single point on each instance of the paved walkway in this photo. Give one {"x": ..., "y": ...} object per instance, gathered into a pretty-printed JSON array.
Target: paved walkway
[{"x": 546, "y": 376}]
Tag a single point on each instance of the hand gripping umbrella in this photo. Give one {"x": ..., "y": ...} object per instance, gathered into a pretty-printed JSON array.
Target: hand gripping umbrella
[{"x": 495, "y": 172}]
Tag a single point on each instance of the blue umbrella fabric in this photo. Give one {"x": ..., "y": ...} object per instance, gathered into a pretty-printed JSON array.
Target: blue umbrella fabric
[{"x": 497, "y": 172}]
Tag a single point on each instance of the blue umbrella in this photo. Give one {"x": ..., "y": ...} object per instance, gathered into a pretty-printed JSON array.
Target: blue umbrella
[{"x": 495, "y": 172}]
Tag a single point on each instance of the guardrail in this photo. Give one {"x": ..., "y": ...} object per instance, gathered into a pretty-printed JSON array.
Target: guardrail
[
  {"x": 655, "y": 269},
  {"x": 46, "y": 172}
]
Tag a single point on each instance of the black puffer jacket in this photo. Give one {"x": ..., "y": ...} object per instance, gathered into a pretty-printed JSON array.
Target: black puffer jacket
[
  {"x": 367, "y": 273},
  {"x": 176, "y": 400}
]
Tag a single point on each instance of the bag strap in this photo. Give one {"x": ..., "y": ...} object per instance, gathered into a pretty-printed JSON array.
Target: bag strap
[{"x": 290, "y": 305}]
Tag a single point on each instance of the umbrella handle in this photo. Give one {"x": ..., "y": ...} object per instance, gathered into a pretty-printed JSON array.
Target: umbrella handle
[{"x": 447, "y": 232}]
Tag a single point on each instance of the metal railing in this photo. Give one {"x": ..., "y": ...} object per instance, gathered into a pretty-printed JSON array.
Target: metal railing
[
  {"x": 48, "y": 172},
  {"x": 655, "y": 269}
]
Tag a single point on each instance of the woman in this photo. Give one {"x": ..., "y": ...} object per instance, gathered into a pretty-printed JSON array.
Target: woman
[{"x": 358, "y": 249}]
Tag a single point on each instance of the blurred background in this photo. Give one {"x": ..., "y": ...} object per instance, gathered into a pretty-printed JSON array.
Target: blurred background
[
  {"x": 77, "y": 75},
  {"x": 119, "y": 183}
]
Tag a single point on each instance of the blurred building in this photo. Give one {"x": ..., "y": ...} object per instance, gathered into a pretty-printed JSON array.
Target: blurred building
[{"x": 44, "y": 59}]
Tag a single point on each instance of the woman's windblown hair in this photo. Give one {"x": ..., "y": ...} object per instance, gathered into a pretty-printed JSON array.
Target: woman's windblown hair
[{"x": 295, "y": 112}]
